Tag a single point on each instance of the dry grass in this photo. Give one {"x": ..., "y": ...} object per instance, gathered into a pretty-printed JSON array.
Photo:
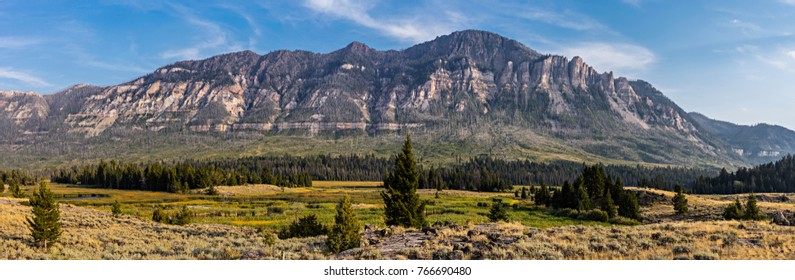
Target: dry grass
[
  {"x": 677, "y": 240},
  {"x": 90, "y": 234}
]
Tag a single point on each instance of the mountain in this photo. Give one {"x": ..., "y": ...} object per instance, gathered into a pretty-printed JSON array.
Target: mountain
[
  {"x": 759, "y": 143},
  {"x": 469, "y": 88}
]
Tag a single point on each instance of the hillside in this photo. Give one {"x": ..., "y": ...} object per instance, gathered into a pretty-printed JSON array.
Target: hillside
[
  {"x": 477, "y": 91},
  {"x": 759, "y": 143}
]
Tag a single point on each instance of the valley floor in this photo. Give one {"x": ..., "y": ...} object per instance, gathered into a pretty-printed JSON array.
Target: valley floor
[{"x": 93, "y": 233}]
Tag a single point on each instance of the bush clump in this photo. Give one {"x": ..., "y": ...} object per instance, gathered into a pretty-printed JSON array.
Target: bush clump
[{"x": 304, "y": 227}]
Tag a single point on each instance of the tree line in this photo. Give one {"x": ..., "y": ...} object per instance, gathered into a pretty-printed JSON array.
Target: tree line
[
  {"x": 180, "y": 176},
  {"x": 776, "y": 176},
  {"x": 475, "y": 174}
]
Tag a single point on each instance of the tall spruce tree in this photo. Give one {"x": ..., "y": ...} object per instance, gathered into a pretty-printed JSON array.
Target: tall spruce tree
[
  {"x": 403, "y": 205},
  {"x": 608, "y": 205},
  {"x": 680, "y": 201},
  {"x": 45, "y": 225},
  {"x": 583, "y": 200},
  {"x": 628, "y": 205},
  {"x": 344, "y": 234},
  {"x": 751, "y": 209}
]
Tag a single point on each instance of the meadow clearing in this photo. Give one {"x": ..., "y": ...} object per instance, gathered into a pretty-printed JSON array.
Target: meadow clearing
[{"x": 228, "y": 226}]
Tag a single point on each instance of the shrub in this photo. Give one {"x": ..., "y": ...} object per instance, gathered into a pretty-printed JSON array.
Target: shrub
[
  {"x": 184, "y": 217},
  {"x": 160, "y": 216},
  {"x": 596, "y": 215},
  {"x": 116, "y": 208},
  {"x": 268, "y": 237},
  {"x": 304, "y": 227},
  {"x": 624, "y": 221}
]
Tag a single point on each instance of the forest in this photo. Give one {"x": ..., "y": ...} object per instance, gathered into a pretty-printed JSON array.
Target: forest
[
  {"x": 475, "y": 174},
  {"x": 776, "y": 176}
]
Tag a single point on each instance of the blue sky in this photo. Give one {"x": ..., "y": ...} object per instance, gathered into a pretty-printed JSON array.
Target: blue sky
[{"x": 731, "y": 60}]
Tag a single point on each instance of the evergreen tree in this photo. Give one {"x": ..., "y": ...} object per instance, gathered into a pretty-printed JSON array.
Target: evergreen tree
[
  {"x": 583, "y": 199},
  {"x": 344, "y": 234},
  {"x": 751, "y": 209},
  {"x": 680, "y": 201},
  {"x": 116, "y": 208},
  {"x": 16, "y": 190},
  {"x": 403, "y": 206},
  {"x": 628, "y": 205},
  {"x": 608, "y": 205},
  {"x": 734, "y": 211},
  {"x": 524, "y": 193},
  {"x": 497, "y": 212},
  {"x": 2, "y": 186},
  {"x": 543, "y": 196},
  {"x": 45, "y": 226}
]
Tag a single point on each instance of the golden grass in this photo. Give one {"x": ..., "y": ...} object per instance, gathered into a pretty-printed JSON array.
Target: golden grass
[{"x": 337, "y": 184}]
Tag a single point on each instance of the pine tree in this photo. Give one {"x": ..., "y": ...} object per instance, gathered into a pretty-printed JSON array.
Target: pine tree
[
  {"x": 2, "y": 186},
  {"x": 628, "y": 205},
  {"x": 16, "y": 190},
  {"x": 608, "y": 205},
  {"x": 403, "y": 206},
  {"x": 45, "y": 226},
  {"x": 116, "y": 208},
  {"x": 583, "y": 200},
  {"x": 680, "y": 201},
  {"x": 524, "y": 193},
  {"x": 344, "y": 234},
  {"x": 734, "y": 211},
  {"x": 497, "y": 212},
  {"x": 751, "y": 209}
]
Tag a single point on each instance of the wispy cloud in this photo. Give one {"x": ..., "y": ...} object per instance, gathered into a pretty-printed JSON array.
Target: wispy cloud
[
  {"x": 791, "y": 54},
  {"x": 411, "y": 29},
  {"x": 10, "y": 73},
  {"x": 635, "y": 3},
  {"x": 252, "y": 24},
  {"x": 788, "y": 2},
  {"x": 566, "y": 19},
  {"x": 7, "y": 42},
  {"x": 214, "y": 39},
  {"x": 625, "y": 59}
]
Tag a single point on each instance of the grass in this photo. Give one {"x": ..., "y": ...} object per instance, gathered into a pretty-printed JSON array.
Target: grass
[
  {"x": 225, "y": 227},
  {"x": 273, "y": 207}
]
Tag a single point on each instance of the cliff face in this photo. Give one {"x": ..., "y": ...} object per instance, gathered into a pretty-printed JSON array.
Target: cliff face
[{"x": 457, "y": 80}]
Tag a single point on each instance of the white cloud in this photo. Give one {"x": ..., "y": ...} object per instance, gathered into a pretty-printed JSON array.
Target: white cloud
[
  {"x": 565, "y": 19},
  {"x": 788, "y": 2},
  {"x": 17, "y": 43},
  {"x": 414, "y": 29},
  {"x": 635, "y": 3},
  {"x": 791, "y": 54},
  {"x": 624, "y": 59},
  {"x": 29, "y": 79},
  {"x": 214, "y": 38}
]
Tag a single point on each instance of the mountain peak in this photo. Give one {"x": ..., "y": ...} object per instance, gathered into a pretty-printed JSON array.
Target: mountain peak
[{"x": 357, "y": 46}]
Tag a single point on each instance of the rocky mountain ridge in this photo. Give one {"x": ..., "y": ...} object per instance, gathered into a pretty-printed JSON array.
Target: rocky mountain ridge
[{"x": 462, "y": 84}]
